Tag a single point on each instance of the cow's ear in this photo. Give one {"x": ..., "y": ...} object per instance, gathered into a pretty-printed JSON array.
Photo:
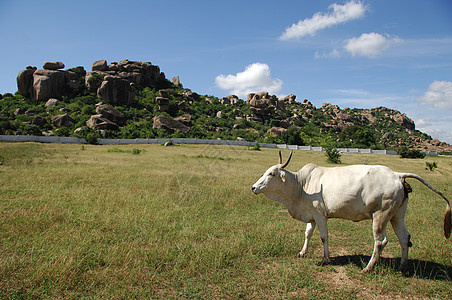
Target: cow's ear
[{"x": 283, "y": 176}]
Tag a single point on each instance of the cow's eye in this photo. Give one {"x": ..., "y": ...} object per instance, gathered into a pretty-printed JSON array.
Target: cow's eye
[{"x": 271, "y": 174}]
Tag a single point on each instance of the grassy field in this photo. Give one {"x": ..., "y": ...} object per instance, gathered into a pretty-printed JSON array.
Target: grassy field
[{"x": 180, "y": 222}]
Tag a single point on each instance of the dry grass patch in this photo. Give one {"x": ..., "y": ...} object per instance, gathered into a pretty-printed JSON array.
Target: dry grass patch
[{"x": 181, "y": 222}]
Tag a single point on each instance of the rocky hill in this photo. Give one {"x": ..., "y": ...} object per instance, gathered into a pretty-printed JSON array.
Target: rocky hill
[{"x": 132, "y": 99}]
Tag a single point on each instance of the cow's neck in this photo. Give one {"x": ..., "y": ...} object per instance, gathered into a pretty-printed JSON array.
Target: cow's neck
[{"x": 289, "y": 193}]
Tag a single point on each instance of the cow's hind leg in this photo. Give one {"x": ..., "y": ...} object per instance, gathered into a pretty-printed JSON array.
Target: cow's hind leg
[
  {"x": 323, "y": 229},
  {"x": 379, "y": 230},
  {"x": 398, "y": 223},
  {"x": 308, "y": 234}
]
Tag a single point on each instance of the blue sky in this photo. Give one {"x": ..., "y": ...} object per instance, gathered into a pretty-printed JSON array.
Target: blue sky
[{"x": 359, "y": 54}]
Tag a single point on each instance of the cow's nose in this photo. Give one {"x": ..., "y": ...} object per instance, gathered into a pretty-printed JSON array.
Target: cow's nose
[{"x": 253, "y": 188}]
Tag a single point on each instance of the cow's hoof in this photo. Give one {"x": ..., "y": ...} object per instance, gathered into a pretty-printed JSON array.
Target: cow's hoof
[
  {"x": 366, "y": 270},
  {"x": 325, "y": 261},
  {"x": 403, "y": 267},
  {"x": 301, "y": 254}
]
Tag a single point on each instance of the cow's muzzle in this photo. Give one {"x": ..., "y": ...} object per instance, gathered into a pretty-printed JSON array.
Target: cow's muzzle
[{"x": 255, "y": 190}]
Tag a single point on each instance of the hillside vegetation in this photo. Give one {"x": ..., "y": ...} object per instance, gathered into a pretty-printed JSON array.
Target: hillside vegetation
[
  {"x": 152, "y": 106},
  {"x": 103, "y": 222}
]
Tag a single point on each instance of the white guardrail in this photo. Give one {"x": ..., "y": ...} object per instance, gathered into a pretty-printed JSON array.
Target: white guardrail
[{"x": 75, "y": 140}]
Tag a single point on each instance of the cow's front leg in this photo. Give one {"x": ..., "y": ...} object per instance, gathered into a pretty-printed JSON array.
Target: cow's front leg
[
  {"x": 308, "y": 234},
  {"x": 323, "y": 228}
]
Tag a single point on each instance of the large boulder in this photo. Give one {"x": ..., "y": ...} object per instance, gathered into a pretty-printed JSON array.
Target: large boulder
[
  {"x": 115, "y": 90},
  {"x": 99, "y": 65},
  {"x": 169, "y": 124},
  {"x": 53, "y": 65},
  {"x": 25, "y": 82},
  {"x": 110, "y": 113},
  {"x": 49, "y": 84}
]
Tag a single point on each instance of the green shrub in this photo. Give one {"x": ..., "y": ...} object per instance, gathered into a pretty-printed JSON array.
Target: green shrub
[
  {"x": 333, "y": 155},
  {"x": 255, "y": 148},
  {"x": 31, "y": 129},
  {"x": 91, "y": 138},
  {"x": 404, "y": 152}
]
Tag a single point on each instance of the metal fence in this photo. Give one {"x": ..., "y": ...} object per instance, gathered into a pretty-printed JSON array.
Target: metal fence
[{"x": 75, "y": 140}]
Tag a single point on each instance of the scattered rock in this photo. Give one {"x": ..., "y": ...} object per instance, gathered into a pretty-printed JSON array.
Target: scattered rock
[
  {"x": 98, "y": 122},
  {"x": 19, "y": 111},
  {"x": 163, "y": 103},
  {"x": 51, "y": 103},
  {"x": 108, "y": 112},
  {"x": 169, "y": 124},
  {"x": 39, "y": 121},
  {"x": 62, "y": 121},
  {"x": 184, "y": 119},
  {"x": 277, "y": 131},
  {"x": 230, "y": 100}
]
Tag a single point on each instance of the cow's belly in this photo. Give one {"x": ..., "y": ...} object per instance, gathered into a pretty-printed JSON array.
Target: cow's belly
[{"x": 354, "y": 209}]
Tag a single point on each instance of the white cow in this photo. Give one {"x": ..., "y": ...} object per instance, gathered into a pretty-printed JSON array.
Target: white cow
[{"x": 315, "y": 194}]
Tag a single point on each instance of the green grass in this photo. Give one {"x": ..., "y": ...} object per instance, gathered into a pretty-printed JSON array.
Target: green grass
[{"x": 181, "y": 222}]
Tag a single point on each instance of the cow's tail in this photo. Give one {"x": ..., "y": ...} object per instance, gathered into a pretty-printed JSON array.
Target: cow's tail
[{"x": 447, "y": 216}]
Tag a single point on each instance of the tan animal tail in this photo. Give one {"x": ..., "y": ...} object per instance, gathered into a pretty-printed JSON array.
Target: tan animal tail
[{"x": 447, "y": 216}]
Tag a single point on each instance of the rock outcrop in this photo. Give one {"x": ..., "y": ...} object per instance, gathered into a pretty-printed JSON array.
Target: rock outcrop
[
  {"x": 263, "y": 106},
  {"x": 114, "y": 83}
]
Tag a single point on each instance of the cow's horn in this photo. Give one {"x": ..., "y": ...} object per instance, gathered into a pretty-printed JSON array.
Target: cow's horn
[
  {"x": 288, "y": 160},
  {"x": 280, "y": 158}
]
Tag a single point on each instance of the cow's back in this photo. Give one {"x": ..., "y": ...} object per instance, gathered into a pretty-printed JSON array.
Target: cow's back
[{"x": 353, "y": 192}]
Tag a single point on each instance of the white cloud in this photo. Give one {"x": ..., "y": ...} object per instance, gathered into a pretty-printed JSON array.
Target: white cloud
[
  {"x": 333, "y": 54},
  {"x": 255, "y": 78},
  {"x": 439, "y": 95},
  {"x": 421, "y": 123},
  {"x": 340, "y": 14},
  {"x": 369, "y": 44}
]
